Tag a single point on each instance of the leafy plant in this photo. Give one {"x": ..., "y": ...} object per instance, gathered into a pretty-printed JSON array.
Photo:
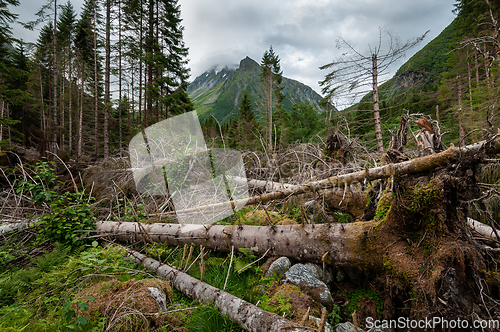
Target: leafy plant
[
  {"x": 70, "y": 212},
  {"x": 41, "y": 185},
  {"x": 334, "y": 315},
  {"x": 71, "y": 316}
]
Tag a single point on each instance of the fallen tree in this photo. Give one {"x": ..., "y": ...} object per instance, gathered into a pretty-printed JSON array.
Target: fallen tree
[
  {"x": 340, "y": 244},
  {"x": 249, "y": 316},
  {"x": 350, "y": 200},
  {"x": 418, "y": 249},
  {"x": 8, "y": 226},
  {"x": 417, "y": 165}
]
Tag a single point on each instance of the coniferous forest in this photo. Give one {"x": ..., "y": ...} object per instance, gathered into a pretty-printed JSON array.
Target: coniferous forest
[{"x": 376, "y": 209}]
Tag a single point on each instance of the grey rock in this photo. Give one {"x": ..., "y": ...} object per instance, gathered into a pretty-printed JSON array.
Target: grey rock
[
  {"x": 379, "y": 329},
  {"x": 347, "y": 327},
  {"x": 279, "y": 266},
  {"x": 160, "y": 297},
  {"x": 311, "y": 206},
  {"x": 317, "y": 270},
  {"x": 328, "y": 327},
  {"x": 301, "y": 276}
]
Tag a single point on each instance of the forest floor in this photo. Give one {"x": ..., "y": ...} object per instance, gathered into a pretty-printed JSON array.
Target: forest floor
[{"x": 421, "y": 260}]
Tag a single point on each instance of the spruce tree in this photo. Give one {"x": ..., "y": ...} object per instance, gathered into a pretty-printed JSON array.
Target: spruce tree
[
  {"x": 246, "y": 122},
  {"x": 271, "y": 78}
]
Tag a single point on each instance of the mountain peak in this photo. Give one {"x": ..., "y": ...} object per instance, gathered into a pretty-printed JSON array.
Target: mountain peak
[
  {"x": 218, "y": 92},
  {"x": 248, "y": 64}
]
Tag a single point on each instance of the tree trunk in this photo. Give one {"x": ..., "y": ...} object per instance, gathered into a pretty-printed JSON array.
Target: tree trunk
[
  {"x": 376, "y": 106},
  {"x": 461, "y": 125},
  {"x": 70, "y": 101},
  {"x": 96, "y": 92},
  {"x": 9, "y": 226},
  {"x": 342, "y": 244},
  {"x": 107, "y": 73},
  {"x": 80, "y": 118},
  {"x": 120, "y": 103},
  {"x": 250, "y": 317},
  {"x": 54, "y": 46}
]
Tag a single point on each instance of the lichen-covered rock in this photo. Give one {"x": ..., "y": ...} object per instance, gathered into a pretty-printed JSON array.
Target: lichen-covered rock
[
  {"x": 328, "y": 327},
  {"x": 317, "y": 270},
  {"x": 278, "y": 267},
  {"x": 160, "y": 297},
  {"x": 349, "y": 327},
  {"x": 302, "y": 276}
]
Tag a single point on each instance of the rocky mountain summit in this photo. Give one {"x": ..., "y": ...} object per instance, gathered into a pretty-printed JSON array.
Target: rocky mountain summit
[{"x": 219, "y": 90}]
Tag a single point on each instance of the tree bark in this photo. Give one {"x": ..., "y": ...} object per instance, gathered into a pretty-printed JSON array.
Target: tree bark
[
  {"x": 107, "y": 73},
  {"x": 54, "y": 46},
  {"x": 9, "y": 226},
  {"x": 483, "y": 229},
  {"x": 339, "y": 244},
  {"x": 376, "y": 106},
  {"x": 250, "y": 317},
  {"x": 96, "y": 91}
]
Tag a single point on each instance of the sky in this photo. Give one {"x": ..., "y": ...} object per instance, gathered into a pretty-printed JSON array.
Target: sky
[{"x": 303, "y": 33}]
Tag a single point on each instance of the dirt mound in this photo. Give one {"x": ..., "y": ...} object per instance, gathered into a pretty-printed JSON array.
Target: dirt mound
[{"x": 131, "y": 305}]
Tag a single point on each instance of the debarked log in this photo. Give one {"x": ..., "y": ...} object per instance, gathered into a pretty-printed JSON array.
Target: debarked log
[
  {"x": 483, "y": 230},
  {"x": 247, "y": 315},
  {"x": 417, "y": 165},
  {"x": 9, "y": 226},
  {"x": 339, "y": 244}
]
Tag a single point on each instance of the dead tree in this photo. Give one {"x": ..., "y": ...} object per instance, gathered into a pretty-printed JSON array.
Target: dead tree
[
  {"x": 249, "y": 316},
  {"x": 354, "y": 71},
  {"x": 418, "y": 165}
]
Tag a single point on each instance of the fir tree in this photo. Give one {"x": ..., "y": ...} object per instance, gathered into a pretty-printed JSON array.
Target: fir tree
[{"x": 271, "y": 78}]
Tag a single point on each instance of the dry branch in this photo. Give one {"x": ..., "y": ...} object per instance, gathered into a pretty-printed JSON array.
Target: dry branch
[
  {"x": 340, "y": 244},
  {"x": 242, "y": 312},
  {"x": 418, "y": 165}
]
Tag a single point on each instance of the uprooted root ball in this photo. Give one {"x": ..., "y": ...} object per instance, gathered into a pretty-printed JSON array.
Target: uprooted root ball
[{"x": 430, "y": 265}]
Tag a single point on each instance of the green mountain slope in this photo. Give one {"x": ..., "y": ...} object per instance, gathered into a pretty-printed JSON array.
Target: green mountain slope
[
  {"x": 424, "y": 69},
  {"x": 219, "y": 92}
]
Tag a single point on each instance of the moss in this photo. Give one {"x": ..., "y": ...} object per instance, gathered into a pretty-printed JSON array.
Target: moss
[
  {"x": 424, "y": 198},
  {"x": 384, "y": 205}
]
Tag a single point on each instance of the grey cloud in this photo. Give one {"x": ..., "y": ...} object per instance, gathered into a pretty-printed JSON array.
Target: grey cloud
[{"x": 220, "y": 32}]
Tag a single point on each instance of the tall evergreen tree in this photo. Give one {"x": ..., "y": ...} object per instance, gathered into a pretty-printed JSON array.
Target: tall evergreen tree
[
  {"x": 246, "y": 122},
  {"x": 6, "y": 20},
  {"x": 271, "y": 78}
]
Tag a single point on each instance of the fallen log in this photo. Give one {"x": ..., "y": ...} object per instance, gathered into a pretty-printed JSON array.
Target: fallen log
[
  {"x": 348, "y": 200},
  {"x": 339, "y": 244},
  {"x": 417, "y": 165},
  {"x": 483, "y": 229},
  {"x": 10, "y": 226},
  {"x": 247, "y": 315}
]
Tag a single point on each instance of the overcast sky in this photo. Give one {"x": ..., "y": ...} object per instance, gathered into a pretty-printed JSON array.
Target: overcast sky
[{"x": 302, "y": 32}]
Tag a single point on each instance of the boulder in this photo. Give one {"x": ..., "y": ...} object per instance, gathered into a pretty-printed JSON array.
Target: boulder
[
  {"x": 317, "y": 270},
  {"x": 278, "y": 267},
  {"x": 303, "y": 277}
]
